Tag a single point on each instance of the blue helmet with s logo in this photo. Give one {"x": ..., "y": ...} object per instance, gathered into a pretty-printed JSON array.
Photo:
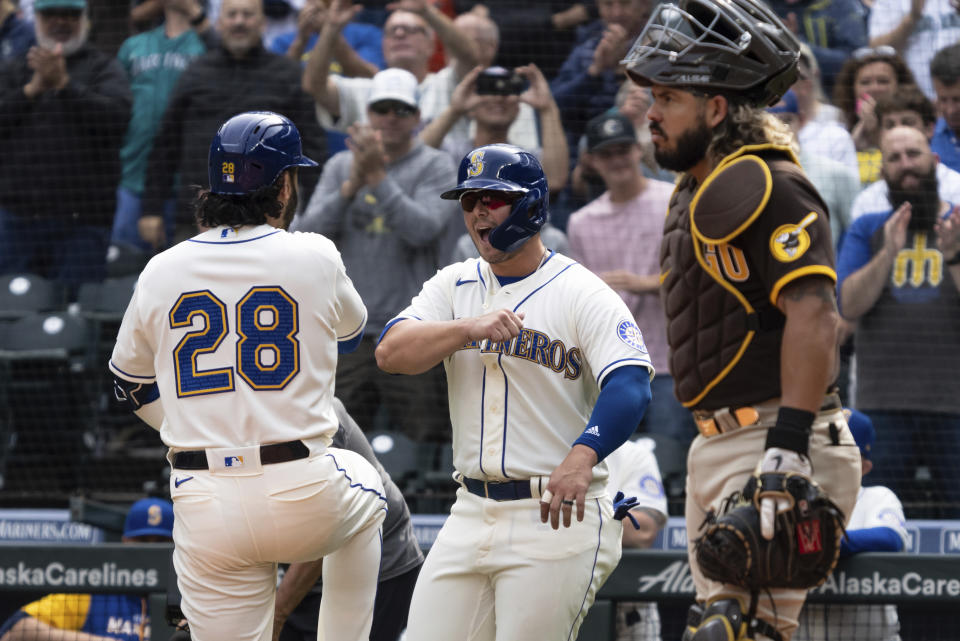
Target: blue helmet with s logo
[
  {"x": 509, "y": 169},
  {"x": 251, "y": 150}
]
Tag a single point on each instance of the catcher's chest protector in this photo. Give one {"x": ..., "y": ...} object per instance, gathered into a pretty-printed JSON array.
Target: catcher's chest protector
[
  {"x": 706, "y": 324},
  {"x": 716, "y": 308}
]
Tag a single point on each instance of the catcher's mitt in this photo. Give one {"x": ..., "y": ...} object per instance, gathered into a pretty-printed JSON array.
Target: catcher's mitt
[{"x": 805, "y": 546}]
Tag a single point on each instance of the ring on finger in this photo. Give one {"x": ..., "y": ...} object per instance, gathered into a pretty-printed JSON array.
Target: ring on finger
[{"x": 567, "y": 502}]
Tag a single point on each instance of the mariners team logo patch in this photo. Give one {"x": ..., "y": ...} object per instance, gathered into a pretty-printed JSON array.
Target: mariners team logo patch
[
  {"x": 652, "y": 486},
  {"x": 476, "y": 164},
  {"x": 630, "y": 334},
  {"x": 790, "y": 242}
]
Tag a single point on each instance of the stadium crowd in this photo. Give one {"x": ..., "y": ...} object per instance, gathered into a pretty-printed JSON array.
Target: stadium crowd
[{"x": 105, "y": 118}]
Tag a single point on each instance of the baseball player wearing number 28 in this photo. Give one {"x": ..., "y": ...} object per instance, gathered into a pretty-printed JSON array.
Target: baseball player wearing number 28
[
  {"x": 747, "y": 283},
  {"x": 229, "y": 347},
  {"x": 547, "y": 375}
]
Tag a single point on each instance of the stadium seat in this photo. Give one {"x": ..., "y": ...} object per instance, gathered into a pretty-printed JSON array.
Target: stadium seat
[
  {"x": 46, "y": 405},
  {"x": 103, "y": 304},
  {"x": 57, "y": 336},
  {"x": 106, "y": 300},
  {"x": 125, "y": 260},
  {"x": 22, "y": 294},
  {"x": 398, "y": 454}
]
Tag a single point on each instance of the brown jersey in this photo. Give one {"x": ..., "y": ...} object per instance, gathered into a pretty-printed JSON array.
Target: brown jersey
[{"x": 728, "y": 250}]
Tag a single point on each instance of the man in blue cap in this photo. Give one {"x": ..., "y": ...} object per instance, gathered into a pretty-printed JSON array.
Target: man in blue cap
[
  {"x": 92, "y": 617},
  {"x": 877, "y": 524}
]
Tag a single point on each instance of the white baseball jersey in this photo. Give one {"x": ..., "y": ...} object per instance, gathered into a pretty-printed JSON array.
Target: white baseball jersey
[
  {"x": 517, "y": 407},
  {"x": 634, "y": 471},
  {"x": 239, "y": 329},
  {"x": 876, "y": 506}
]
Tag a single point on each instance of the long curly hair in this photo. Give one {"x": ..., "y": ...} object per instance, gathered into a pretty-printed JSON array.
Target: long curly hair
[
  {"x": 213, "y": 210},
  {"x": 746, "y": 124},
  {"x": 843, "y": 93}
]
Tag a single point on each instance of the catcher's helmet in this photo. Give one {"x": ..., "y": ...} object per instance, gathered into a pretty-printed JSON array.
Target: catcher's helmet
[
  {"x": 250, "y": 151},
  {"x": 511, "y": 169},
  {"x": 719, "y": 46}
]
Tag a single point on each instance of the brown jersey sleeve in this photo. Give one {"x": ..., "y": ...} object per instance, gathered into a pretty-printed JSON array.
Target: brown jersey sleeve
[{"x": 792, "y": 238}]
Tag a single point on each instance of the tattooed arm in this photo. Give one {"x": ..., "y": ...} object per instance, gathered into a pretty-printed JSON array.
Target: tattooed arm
[{"x": 808, "y": 353}]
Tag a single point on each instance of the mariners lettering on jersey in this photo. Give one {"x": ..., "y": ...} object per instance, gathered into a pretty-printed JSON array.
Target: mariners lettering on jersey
[
  {"x": 917, "y": 266},
  {"x": 726, "y": 261},
  {"x": 537, "y": 347},
  {"x": 122, "y": 626}
]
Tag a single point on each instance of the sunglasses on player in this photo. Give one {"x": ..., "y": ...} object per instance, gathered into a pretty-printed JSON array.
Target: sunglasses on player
[{"x": 489, "y": 199}]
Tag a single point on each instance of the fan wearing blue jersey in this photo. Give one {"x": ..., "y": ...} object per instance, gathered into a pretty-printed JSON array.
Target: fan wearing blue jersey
[
  {"x": 547, "y": 374},
  {"x": 229, "y": 347},
  {"x": 898, "y": 272}
]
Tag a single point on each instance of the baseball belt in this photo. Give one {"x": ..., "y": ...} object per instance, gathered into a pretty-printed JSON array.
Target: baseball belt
[
  {"x": 724, "y": 420},
  {"x": 498, "y": 490},
  {"x": 273, "y": 453}
]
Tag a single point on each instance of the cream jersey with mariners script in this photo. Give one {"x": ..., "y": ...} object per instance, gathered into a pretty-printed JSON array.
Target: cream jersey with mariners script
[
  {"x": 517, "y": 406},
  {"x": 239, "y": 330}
]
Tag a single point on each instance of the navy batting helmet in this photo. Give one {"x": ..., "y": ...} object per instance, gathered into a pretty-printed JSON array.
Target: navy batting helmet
[
  {"x": 251, "y": 150},
  {"x": 510, "y": 169}
]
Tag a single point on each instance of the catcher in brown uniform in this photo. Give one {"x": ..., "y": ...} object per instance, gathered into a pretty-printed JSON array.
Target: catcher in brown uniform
[{"x": 748, "y": 286}]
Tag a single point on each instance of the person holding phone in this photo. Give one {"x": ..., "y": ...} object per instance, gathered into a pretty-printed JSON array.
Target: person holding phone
[
  {"x": 493, "y": 97},
  {"x": 868, "y": 76}
]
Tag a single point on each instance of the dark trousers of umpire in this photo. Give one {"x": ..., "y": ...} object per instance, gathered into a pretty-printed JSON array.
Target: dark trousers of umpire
[
  {"x": 389, "y": 611},
  {"x": 415, "y": 405}
]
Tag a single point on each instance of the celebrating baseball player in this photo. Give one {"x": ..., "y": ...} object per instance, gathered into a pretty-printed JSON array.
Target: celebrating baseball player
[
  {"x": 747, "y": 273},
  {"x": 229, "y": 347},
  {"x": 547, "y": 375}
]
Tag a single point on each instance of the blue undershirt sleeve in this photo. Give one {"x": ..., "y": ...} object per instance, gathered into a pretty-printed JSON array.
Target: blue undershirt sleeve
[
  {"x": 348, "y": 346},
  {"x": 873, "y": 539},
  {"x": 623, "y": 399}
]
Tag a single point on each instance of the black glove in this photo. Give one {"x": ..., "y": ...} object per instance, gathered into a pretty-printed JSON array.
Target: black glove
[{"x": 803, "y": 551}]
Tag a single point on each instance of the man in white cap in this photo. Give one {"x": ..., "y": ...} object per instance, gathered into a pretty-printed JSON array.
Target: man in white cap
[{"x": 379, "y": 201}]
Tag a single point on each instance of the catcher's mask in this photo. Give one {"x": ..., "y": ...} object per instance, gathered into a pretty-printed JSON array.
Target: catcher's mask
[
  {"x": 719, "y": 46},
  {"x": 251, "y": 150},
  {"x": 509, "y": 169}
]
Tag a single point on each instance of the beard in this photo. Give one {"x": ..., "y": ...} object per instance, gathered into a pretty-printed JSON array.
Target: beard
[
  {"x": 71, "y": 46},
  {"x": 690, "y": 149},
  {"x": 924, "y": 199},
  {"x": 290, "y": 209}
]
